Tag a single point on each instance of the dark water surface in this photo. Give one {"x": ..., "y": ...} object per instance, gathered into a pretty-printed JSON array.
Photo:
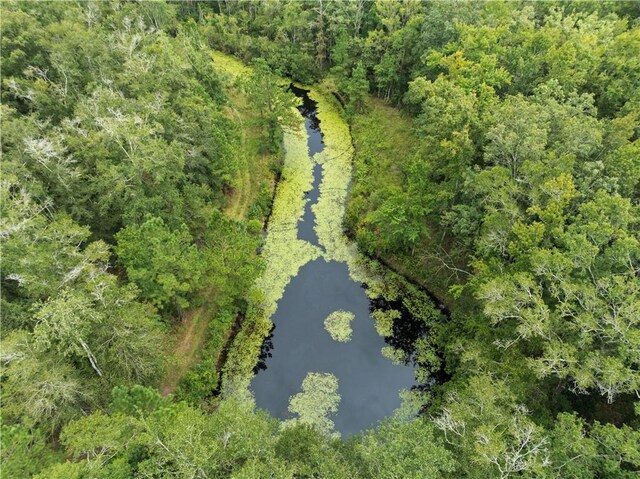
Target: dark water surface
[
  {"x": 369, "y": 383},
  {"x": 308, "y": 109}
]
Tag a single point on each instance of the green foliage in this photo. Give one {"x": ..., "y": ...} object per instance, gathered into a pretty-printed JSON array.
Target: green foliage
[
  {"x": 357, "y": 90},
  {"x": 266, "y": 94},
  {"x": 262, "y": 206},
  {"x": 203, "y": 379},
  {"x": 307, "y": 451},
  {"x": 24, "y": 451},
  {"x": 113, "y": 121},
  {"x": 577, "y": 451},
  {"x": 231, "y": 265},
  {"x": 136, "y": 400},
  {"x": 405, "y": 449},
  {"x": 495, "y": 434},
  {"x": 512, "y": 180},
  {"x": 283, "y": 253},
  {"x": 38, "y": 388},
  {"x": 163, "y": 263},
  {"x": 74, "y": 329},
  {"x": 119, "y": 139}
]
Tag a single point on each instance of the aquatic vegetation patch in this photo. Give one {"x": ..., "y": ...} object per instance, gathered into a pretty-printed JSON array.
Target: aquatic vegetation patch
[
  {"x": 396, "y": 356},
  {"x": 335, "y": 160},
  {"x": 241, "y": 359},
  {"x": 384, "y": 321},
  {"x": 284, "y": 253},
  {"x": 319, "y": 398},
  {"x": 329, "y": 210},
  {"x": 338, "y": 325}
]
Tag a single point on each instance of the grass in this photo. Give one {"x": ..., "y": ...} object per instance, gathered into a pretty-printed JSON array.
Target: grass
[
  {"x": 383, "y": 136},
  {"x": 255, "y": 161}
]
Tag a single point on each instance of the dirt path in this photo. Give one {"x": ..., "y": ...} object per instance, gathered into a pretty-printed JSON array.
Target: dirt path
[{"x": 188, "y": 341}]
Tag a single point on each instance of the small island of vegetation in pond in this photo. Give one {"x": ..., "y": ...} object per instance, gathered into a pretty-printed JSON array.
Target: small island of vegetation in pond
[
  {"x": 345, "y": 239},
  {"x": 338, "y": 325}
]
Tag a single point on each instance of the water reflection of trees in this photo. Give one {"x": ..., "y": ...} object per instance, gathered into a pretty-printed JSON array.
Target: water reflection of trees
[{"x": 265, "y": 352}]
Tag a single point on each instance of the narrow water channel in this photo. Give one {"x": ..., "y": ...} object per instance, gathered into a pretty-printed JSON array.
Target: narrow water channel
[
  {"x": 368, "y": 383},
  {"x": 308, "y": 109}
]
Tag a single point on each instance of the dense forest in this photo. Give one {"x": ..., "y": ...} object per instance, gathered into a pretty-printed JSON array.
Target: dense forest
[{"x": 495, "y": 155}]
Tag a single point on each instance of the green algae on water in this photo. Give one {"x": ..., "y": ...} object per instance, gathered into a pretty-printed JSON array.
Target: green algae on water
[
  {"x": 338, "y": 325},
  {"x": 319, "y": 398}
]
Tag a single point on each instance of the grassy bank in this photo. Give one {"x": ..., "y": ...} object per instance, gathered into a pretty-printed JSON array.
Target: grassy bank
[
  {"x": 197, "y": 343},
  {"x": 384, "y": 141}
]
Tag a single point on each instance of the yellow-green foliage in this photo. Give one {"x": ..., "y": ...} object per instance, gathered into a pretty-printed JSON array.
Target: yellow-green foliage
[
  {"x": 238, "y": 369},
  {"x": 318, "y": 399},
  {"x": 336, "y": 175},
  {"x": 384, "y": 321},
  {"x": 330, "y": 208},
  {"x": 284, "y": 253},
  {"x": 234, "y": 69},
  {"x": 228, "y": 65},
  {"x": 395, "y": 355},
  {"x": 338, "y": 325}
]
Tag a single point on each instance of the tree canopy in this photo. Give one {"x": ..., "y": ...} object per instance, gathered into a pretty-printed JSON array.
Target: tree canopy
[{"x": 496, "y": 156}]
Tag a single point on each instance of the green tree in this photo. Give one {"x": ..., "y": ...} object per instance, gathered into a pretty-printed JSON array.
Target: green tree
[
  {"x": 494, "y": 434},
  {"x": 357, "y": 89},
  {"x": 407, "y": 450},
  {"x": 24, "y": 451},
  {"x": 275, "y": 105},
  {"x": 164, "y": 264}
]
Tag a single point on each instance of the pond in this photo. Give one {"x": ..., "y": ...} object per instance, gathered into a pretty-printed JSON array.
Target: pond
[{"x": 368, "y": 383}]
